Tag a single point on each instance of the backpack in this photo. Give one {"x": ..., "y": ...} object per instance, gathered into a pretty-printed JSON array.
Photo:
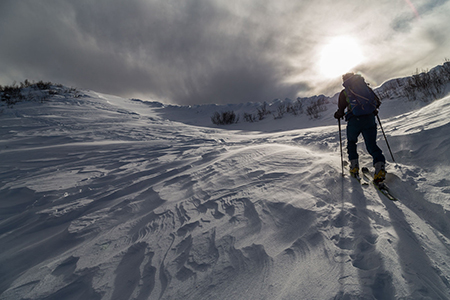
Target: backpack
[{"x": 361, "y": 99}]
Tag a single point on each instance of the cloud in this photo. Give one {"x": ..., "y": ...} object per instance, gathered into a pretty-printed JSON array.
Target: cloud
[{"x": 210, "y": 51}]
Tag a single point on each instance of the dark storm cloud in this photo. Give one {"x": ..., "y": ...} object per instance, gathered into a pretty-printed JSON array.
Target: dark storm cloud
[
  {"x": 198, "y": 51},
  {"x": 183, "y": 51}
]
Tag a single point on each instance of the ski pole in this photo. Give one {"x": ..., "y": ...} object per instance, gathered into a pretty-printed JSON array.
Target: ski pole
[
  {"x": 340, "y": 143},
  {"x": 389, "y": 147}
]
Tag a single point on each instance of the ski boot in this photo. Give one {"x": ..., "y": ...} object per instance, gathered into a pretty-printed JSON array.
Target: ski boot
[
  {"x": 354, "y": 169},
  {"x": 380, "y": 172}
]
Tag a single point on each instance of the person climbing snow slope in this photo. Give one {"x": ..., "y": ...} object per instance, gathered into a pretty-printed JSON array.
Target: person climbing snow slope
[{"x": 362, "y": 106}]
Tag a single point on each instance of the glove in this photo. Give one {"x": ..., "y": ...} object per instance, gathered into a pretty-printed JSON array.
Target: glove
[
  {"x": 375, "y": 112},
  {"x": 339, "y": 115}
]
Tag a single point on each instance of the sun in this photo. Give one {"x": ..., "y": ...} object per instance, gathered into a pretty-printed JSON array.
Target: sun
[{"x": 339, "y": 56}]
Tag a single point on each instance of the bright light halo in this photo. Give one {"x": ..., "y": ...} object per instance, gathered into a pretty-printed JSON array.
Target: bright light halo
[{"x": 339, "y": 56}]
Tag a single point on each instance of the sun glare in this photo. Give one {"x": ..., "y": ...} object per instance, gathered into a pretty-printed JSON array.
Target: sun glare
[{"x": 339, "y": 56}]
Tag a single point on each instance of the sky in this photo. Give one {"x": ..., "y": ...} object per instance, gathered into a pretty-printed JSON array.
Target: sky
[{"x": 219, "y": 51}]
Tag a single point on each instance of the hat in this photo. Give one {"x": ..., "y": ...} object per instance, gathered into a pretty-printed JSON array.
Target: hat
[{"x": 347, "y": 76}]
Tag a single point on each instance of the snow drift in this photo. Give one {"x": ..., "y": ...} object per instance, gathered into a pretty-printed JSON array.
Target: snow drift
[{"x": 109, "y": 198}]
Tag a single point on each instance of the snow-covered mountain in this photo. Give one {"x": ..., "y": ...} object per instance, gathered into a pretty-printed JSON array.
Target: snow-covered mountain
[{"x": 109, "y": 198}]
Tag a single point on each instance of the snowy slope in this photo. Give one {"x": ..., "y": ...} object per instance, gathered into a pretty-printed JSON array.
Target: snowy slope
[{"x": 108, "y": 198}]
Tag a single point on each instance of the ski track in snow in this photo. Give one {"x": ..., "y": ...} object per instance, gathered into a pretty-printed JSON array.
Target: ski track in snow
[{"x": 106, "y": 198}]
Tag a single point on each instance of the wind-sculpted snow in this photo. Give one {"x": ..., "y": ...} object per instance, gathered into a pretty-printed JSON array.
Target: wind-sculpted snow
[{"x": 104, "y": 198}]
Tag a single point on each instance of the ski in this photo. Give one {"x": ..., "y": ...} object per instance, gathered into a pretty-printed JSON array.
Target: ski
[
  {"x": 360, "y": 180},
  {"x": 382, "y": 187}
]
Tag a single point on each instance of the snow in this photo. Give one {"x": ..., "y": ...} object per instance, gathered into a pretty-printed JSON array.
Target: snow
[{"x": 111, "y": 198}]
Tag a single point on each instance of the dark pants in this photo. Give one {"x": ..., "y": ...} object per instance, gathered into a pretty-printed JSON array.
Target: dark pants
[{"x": 367, "y": 126}]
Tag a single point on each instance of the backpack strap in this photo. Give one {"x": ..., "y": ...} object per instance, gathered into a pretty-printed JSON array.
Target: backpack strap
[
  {"x": 346, "y": 97},
  {"x": 349, "y": 107}
]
